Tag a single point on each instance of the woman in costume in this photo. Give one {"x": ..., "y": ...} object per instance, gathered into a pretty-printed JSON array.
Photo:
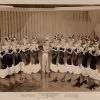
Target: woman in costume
[
  {"x": 69, "y": 51},
  {"x": 3, "y": 65},
  {"x": 25, "y": 55},
  {"x": 61, "y": 61},
  {"x": 3, "y": 56},
  {"x": 11, "y": 56},
  {"x": 85, "y": 69},
  {"x": 54, "y": 54},
  {"x": 80, "y": 54},
  {"x": 45, "y": 56},
  {"x": 80, "y": 67},
  {"x": 35, "y": 63},
  {"x": 17, "y": 56},
  {"x": 94, "y": 74},
  {"x": 77, "y": 57}
]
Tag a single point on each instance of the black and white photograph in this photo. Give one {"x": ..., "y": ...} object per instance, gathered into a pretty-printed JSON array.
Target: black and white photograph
[{"x": 49, "y": 47}]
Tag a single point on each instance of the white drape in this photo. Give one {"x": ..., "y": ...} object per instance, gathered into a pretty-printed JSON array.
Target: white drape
[
  {"x": 95, "y": 21},
  {"x": 20, "y": 23}
]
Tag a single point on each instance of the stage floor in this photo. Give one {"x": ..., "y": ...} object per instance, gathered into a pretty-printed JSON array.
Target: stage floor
[{"x": 52, "y": 82}]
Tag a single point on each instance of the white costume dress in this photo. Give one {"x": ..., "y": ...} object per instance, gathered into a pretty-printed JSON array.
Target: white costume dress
[
  {"x": 20, "y": 64},
  {"x": 93, "y": 73},
  {"x": 35, "y": 68},
  {"x": 53, "y": 65},
  {"x": 4, "y": 72},
  {"x": 26, "y": 68},
  {"x": 76, "y": 69},
  {"x": 61, "y": 67},
  {"x": 69, "y": 66},
  {"x": 84, "y": 70}
]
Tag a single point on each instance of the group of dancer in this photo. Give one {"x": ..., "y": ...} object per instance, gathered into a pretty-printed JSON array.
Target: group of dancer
[
  {"x": 73, "y": 55},
  {"x": 15, "y": 58},
  {"x": 77, "y": 56}
]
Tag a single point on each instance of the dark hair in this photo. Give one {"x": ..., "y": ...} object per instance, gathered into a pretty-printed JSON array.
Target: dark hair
[{"x": 6, "y": 39}]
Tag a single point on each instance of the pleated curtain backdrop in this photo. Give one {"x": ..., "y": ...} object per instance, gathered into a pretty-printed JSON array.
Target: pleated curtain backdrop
[
  {"x": 95, "y": 21},
  {"x": 19, "y": 23}
]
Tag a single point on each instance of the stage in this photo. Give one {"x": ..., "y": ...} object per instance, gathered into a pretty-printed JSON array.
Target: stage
[{"x": 43, "y": 82}]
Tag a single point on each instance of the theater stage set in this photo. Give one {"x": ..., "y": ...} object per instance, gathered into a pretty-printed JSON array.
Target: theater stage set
[{"x": 40, "y": 20}]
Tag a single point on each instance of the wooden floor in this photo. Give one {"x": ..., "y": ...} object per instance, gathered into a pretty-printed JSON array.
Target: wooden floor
[{"x": 41, "y": 83}]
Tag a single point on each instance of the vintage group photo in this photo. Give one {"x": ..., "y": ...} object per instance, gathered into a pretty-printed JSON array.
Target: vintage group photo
[{"x": 49, "y": 48}]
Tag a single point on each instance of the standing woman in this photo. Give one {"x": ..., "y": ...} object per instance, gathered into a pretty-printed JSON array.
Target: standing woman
[
  {"x": 61, "y": 62},
  {"x": 45, "y": 59},
  {"x": 10, "y": 59},
  {"x": 76, "y": 68},
  {"x": 3, "y": 67},
  {"x": 80, "y": 54},
  {"x": 35, "y": 63},
  {"x": 75, "y": 55},
  {"x": 93, "y": 72},
  {"x": 84, "y": 68},
  {"x": 17, "y": 56},
  {"x": 85, "y": 57},
  {"x": 25, "y": 54},
  {"x": 4, "y": 51},
  {"x": 69, "y": 51},
  {"x": 13, "y": 47},
  {"x": 80, "y": 59},
  {"x": 54, "y": 54}
]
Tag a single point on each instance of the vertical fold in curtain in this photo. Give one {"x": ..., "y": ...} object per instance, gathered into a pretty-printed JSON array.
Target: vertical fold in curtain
[
  {"x": 19, "y": 23},
  {"x": 94, "y": 18}
]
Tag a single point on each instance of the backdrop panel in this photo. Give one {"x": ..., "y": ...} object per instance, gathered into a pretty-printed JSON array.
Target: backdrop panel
[{"x": 20, "y": 23}]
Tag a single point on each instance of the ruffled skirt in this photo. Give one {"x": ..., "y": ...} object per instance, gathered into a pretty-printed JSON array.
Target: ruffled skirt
[
  {"x": 94, "y": 74},
  {"x": 53, "y": 67},
  {"x": 35, "y": 68},
  {"x": 19, "y": 67},
  {"x": 62, "y": 68},
  {"x": 11, "y": 70},
  {"x": 69, "y": 68},
  {"x": 76, "y": 70},
  {"x": 3, "y": 73},
  {"x": 85, "y": 71},
  {"x": 73, "y": 69},
  {"x": 27, "y": 68}
]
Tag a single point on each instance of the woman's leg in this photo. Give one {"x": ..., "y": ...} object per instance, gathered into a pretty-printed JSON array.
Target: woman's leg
[{"x": 43, "y": 63}]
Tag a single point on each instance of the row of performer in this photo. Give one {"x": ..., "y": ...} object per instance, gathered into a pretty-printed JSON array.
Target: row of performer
[{"x": 59, "y": 54}]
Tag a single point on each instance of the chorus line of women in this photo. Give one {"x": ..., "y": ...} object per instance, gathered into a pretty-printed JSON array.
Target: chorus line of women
[
  {"x": 15, "y": 58},
  {"x": 77, "y": 55}
]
